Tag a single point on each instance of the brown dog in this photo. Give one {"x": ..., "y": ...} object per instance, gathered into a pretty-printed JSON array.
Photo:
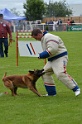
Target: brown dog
[{"x": 23, "y": 81}]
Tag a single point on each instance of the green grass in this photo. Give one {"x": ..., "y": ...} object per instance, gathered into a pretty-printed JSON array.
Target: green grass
[{"x": 28, "y": 108}]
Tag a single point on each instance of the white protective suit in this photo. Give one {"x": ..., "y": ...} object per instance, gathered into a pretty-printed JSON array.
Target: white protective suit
[{"x": 56, "y": 53}]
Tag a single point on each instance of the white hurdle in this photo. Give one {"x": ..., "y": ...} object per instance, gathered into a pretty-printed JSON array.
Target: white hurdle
[{"x": 21, "y": 34}]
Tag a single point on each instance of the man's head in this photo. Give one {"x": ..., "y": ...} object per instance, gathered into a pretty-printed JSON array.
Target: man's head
[
  {"x": 37, "y": 34},
  {"x": 1, "y": 17}
]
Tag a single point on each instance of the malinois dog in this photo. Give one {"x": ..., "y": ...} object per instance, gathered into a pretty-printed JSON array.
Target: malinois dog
[{"x": 23, "y": 81}]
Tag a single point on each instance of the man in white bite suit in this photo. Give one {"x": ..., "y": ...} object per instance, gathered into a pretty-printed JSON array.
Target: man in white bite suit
[{"x": 56, "y": 53}]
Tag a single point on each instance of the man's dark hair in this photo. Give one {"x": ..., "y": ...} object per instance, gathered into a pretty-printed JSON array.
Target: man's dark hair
[
  {"x": 35, "y": 32},
  {"x": 1, "y": 15}
]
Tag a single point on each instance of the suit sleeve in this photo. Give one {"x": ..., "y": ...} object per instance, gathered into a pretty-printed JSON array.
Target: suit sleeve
[{"x": 52, "y": 47}]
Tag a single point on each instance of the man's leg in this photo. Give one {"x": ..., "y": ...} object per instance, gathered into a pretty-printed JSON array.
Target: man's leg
[
  {"x": 1, "y": 48},
  {"x": 48, "y": 80},
  {"x": 59, "y": 68},
  {"x": 6, "y": 47}
]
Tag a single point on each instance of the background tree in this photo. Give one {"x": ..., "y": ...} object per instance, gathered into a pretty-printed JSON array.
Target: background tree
[
  {"x": 35, "y": 9},
  {"x": 14, "y": 11},
  {"x": 58, "y": 9}
]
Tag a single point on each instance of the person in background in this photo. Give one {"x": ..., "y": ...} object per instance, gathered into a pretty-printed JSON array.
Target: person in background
[
  {"x": 56, "y": 53},
  {"x": 4, "y": 32},
  {"x": 55, "y": 25},
  {"x": 59, "y": 23},
  {"x": 68, "y": 22},
  {"x": 72, "y": 22}
]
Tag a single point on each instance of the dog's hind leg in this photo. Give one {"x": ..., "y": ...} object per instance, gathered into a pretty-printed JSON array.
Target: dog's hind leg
[
  {"x": 15, "y": 90},
  {"x": 9, "y": 85}
]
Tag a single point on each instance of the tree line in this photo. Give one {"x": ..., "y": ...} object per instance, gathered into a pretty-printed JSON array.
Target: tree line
[{"x": 38, "y": 9}]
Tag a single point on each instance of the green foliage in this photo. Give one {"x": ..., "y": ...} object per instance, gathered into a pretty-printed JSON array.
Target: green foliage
[
  {"x": 34, "y": 9},
  {"x": 14, "y": 11},
  {"x": 58, "y": 9},
  {"x": 28, "y": 108}
]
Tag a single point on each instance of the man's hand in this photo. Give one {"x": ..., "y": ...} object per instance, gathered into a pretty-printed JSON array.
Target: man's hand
[{"x": 10, "y": 41}]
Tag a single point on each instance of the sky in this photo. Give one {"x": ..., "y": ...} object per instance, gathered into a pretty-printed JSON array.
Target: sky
[{"x": 18, "y": 4}]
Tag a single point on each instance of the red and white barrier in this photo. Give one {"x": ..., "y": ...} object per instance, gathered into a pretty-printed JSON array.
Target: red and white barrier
[
  {"x": 21, "y": 34},
  {"x": 29, "y": 48}
]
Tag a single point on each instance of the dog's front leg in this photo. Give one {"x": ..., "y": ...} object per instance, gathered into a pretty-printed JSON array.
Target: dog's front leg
[{"x": 35, "y": 91}]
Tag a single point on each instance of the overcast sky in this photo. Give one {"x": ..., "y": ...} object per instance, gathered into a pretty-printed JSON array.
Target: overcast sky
[{"x": 18, "y": 4}]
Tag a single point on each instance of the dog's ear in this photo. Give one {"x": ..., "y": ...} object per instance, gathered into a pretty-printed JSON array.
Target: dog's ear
[{"x": 31, "y": 71}]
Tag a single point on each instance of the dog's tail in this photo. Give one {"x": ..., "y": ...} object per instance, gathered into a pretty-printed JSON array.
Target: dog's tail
[{"x": 5, "y": 74}]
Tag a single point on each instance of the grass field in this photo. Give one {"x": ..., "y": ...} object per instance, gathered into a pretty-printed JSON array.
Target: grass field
[{"x": 28, "y": 108}]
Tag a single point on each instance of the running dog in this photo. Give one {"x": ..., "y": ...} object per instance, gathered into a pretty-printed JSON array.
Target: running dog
[{"x": 23, "y": 81}]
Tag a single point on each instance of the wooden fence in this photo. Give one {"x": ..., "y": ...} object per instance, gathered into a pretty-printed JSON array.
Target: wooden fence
[{"x": 64, "y": 19}]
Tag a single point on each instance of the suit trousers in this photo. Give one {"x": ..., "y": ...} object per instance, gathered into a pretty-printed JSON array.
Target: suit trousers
[{"x": 58, "y": 67}]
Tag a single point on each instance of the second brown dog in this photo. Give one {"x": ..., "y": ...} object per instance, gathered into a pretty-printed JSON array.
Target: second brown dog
[{"x": 23, "y": 81}]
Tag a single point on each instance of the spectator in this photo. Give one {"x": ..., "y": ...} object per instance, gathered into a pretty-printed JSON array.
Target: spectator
[
  {"x": 46, "y": 22},
  {"x": 4, "y": 31},
  {"x": 50, "y": 22},
  {"x": 59, "y": 25},
  {"x": 72, "y": 22},
  {"x": 39, "y": 22},
  {"x": 68, "y": 22},
  {"x": 55, "y": 25}
]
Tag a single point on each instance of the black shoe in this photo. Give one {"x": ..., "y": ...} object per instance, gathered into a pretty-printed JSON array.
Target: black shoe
[{"x": 6, "y": 54}]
